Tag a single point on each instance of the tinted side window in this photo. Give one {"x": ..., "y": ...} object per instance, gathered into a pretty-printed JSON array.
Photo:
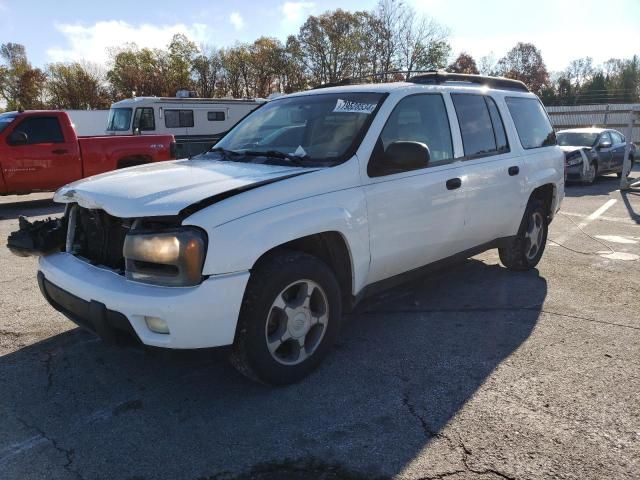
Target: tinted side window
[
  {"x": 144, "y": 119},
  {"x": 475, "y": 124},
  {"x": 498, "y": 127},
  {"x": 178, "y": 118},
  {"x": 532, "y": 122},
  {"x": 41, "y": 130},
  {"x": 416, "y": 118},
  {"x": 215, "y": 116},
  {"x": 604, "y": 137}
]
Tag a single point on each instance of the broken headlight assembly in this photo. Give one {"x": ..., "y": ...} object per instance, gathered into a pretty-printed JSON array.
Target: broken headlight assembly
[
  {"x": 172, "y": 258},
  {"x": 574, "y": 158}
]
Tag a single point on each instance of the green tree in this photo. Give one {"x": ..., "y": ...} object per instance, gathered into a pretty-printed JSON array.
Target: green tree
[
  {"x": 21, "y": 85},
  {"x": 76, "y": 86},
  {"x": 524, "y": 62}
]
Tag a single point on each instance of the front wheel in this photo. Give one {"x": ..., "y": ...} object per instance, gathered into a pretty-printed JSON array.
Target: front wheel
[
  {"x": 289, "y": 318},
  {"x": 526, "y": 249},
  {"x": 591, "y": 174}
]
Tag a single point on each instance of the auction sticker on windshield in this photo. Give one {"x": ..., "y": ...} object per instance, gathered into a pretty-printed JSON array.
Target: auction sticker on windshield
[{"x": 346, "y": 106}]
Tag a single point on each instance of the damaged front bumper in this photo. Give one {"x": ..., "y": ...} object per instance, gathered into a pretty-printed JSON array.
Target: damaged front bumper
[{"x": 104, "y": 301}]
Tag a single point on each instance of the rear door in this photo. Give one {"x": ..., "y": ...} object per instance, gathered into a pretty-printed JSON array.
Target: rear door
[
  {"x": 415, "y": 216},
  {"x": 492, "y": 180},
  {"x": 46, "y": 162}
]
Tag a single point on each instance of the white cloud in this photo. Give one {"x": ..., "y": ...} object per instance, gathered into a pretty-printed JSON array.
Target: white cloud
[
  {"x": 92, "y": 42},
  {"x": 296, "y": 12},
  {"x": 236, "y": 20}
]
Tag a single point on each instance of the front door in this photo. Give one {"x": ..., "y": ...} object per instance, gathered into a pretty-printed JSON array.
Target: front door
[
  {"x": 605, "y": 153},
  {"x": 45, "y": 162},
  {"x": 416, "y": 213}
]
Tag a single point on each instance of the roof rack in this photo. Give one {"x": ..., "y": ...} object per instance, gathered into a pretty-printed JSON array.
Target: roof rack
[
  {"x": 437, "y": 77},
  {"x": 434, "y": 77}
]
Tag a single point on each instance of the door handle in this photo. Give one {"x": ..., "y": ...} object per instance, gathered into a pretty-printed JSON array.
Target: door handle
[
  {"x": 514, "y": 170},
  {"x": 453, "y": 183},
  {"x": 60, "y": 151}
]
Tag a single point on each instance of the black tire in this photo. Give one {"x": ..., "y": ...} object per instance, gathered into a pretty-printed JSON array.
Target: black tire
[
  {"x": 270, "y": 280},
  {"x": 518, "y": 254},
  {"x": 591, "y": 180}
]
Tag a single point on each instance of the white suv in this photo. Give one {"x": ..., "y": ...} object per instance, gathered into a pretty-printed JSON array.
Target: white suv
[{"x": 311, "y": 202}]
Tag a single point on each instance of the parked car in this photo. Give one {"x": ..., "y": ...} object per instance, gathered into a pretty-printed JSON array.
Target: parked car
[
  {"x": 40, "y": 151},
  {"x": 590, "y": 152},
  {"x": 309, "y": 204},
  {"x": 196, "y": 123}
]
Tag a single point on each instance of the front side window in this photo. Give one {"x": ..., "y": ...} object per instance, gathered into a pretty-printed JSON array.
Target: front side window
[
  {"x": 477, "y": 125},
  {"x": 416, "y": 118},
  {"x": 119, "y": 120},
  {"x": 144, "y": 119},
  {"x": 616, "y": 137},
  {"x": 605, "y": 137},
  {"x": 178, "y": 118},
  {"x": 41, "y": 130},
  {"x": 323, "y": 128},
  {"x": 215, "y": 116},
  {"x": 532, "y": 123}
]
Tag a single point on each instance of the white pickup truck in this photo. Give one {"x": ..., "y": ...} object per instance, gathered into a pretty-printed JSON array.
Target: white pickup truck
[{"x": 309, "y": 203}]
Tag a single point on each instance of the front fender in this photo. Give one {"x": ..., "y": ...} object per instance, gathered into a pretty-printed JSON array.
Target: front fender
[{"x": 236, "y": 245}]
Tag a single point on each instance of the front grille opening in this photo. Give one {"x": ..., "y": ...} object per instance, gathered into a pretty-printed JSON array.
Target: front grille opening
[{"x": 99, "y": 238}]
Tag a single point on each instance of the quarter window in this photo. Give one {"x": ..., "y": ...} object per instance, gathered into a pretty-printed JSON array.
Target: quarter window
[
  {"x": 144, "y": 119},
  {"x": 531, "y": 121},
  {"x": 178, "y": 118},
  {"x": 41, "y": 130},
  {"x": 416, "y": 118},
  {"x": 215, "y": 116},
  {"x": 482, "y": 131}
]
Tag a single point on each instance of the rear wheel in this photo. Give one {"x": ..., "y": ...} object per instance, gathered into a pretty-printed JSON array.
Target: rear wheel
[
  {"x": 289, "y": 319},
  {"x": 526, "y": 249}
]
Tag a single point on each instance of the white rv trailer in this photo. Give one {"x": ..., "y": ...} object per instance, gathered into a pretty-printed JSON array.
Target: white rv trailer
[
  {"x": 196, "y": 123},
  {"x": 88, "y": 123}
]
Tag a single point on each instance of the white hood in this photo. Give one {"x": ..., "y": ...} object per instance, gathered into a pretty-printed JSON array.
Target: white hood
[{"x": 165, "y": 188}]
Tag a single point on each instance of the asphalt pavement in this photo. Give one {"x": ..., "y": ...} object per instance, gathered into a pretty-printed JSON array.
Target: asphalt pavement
[{"x": 473, "y": 372}]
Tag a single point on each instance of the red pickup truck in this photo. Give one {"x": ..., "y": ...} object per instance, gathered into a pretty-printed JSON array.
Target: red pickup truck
[{"x": 40, "y": 151}]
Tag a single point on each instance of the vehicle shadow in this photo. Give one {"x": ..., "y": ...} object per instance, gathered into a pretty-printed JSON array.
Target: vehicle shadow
[
  {"x": 407, "y": 362},
  {"x": 627, "y": 195},
  {"x": 603, "y": 185},
  {"x": 29, "y": 208}
]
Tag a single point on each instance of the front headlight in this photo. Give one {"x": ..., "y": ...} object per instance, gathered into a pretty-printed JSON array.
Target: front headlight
[
  {"x": 170, "y": 257},
  {"x": 573, "y": 158}
]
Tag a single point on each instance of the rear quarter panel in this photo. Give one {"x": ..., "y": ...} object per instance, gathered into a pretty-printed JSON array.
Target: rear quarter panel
[{"x": 102, "y": 154}]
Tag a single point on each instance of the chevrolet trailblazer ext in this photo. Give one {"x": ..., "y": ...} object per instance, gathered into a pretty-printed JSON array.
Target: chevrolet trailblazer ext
[{"x": 310, "y": 202}]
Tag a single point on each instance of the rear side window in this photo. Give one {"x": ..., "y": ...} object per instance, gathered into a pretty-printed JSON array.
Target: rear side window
[
  {"x": 480, "y": 125},
  {"x": 532, "y": 122},
  {"x": 178, "y": 118},
  {"x": 215, "y": 116},
  {"x": 41, "y": 130},
  {"x": 144, "y": 119}
]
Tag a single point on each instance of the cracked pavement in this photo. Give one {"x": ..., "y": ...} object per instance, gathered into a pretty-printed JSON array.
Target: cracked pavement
[{"x": 472, "y": 373}]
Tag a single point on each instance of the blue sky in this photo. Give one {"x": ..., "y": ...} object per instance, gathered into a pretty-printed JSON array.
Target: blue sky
[{"x": 83, "y": 29}]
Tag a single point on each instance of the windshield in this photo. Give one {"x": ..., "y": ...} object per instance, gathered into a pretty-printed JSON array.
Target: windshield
[
  {"x": 320, "y": 128},
  {"x": 119, "y": 120},
  {"x": 6, "y": 119},
  {"x": 576, "y": 139}
]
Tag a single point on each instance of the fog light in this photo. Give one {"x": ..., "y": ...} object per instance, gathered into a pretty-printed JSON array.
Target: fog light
[{"x": 157, "y": 325}]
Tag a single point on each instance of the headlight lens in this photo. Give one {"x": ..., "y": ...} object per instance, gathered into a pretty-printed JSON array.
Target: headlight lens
[
  {"x": 573, "y": 158},
  {"x": 169, "y": 258}
]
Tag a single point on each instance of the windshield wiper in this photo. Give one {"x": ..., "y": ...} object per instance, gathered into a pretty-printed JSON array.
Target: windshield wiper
[
  {"x": 227, "y": 154},
  {"x": 293, "y": 159}
]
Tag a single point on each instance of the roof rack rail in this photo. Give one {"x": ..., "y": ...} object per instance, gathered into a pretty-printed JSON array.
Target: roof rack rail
[{"x": 437, "y": 77}]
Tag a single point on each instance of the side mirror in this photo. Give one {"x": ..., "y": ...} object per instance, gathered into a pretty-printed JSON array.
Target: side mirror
[
  {"x": 604, "y": 144},
  {"x": 18, "y": 138},
  {"x": 406, "y": 155}
]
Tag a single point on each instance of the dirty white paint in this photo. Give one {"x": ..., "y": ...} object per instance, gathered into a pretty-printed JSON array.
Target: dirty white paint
[
  {"x": 608, "y": 204},
  {"x": 617, "y": 239},
  {"x": 17, "y": 448}
]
